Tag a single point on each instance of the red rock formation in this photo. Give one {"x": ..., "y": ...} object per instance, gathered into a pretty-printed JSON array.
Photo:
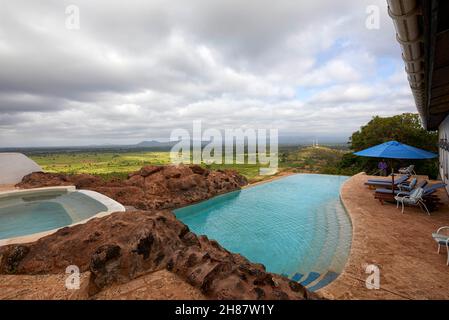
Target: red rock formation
[
  {"x": 123, "y": 246},
  {"x": 152, "y": 187}
]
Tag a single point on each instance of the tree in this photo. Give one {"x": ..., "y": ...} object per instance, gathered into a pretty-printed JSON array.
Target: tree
[{"x": 405, "y": 128}]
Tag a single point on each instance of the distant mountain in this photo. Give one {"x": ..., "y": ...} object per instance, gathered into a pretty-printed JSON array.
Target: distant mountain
[
  {"x": 154, "y": 144},
  {"x": 160, "y": 145}
]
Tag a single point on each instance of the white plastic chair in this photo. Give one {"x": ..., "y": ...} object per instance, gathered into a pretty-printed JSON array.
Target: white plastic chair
[
  {"x": 408, "y": 170},
  {"x": 442, "y": 239},
  {"x": 412, "y": 198}
]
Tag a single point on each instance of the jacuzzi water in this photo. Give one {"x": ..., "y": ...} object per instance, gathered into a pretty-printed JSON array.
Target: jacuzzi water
[
  {"x": 295, "y": 226},
  {"x": 32, "y": 213}
]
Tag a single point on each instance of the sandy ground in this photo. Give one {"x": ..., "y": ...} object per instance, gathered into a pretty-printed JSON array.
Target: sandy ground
[
  {"x": 159, "y": 285},
  {"x": 399, "y": 244}
]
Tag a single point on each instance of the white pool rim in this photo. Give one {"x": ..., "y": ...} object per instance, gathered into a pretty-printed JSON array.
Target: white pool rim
[{"x": 110, "y": 204}]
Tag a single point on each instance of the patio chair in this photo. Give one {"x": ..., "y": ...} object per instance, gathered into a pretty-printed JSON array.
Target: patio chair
[
  {"x": 387, "y": 183},
  {"x": 408, "y": 170},
  {"x": 413, "y": 198},
  {"x": 442, "y": 239}
]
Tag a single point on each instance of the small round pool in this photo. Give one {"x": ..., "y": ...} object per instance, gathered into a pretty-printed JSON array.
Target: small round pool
[
  {"x": 295, "y": 226},
  {"x": 35, "y": 211}
]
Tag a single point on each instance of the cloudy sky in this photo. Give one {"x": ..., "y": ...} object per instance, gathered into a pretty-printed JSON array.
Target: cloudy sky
[{"x": 135, "y": 70}]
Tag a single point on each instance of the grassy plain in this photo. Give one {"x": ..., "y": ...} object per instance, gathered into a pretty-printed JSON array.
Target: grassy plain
[{"x": 117, "y": 164}]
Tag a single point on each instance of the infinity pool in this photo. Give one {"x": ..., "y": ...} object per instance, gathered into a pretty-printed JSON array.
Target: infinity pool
[
  {"x": 295, "y": 226},
  {"x": 33, "y": 211}
]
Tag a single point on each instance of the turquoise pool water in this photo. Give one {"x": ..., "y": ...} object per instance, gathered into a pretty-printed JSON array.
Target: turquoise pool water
[
  {"x": 28, "y": 214},
  {"x": 295, "y": 226}
]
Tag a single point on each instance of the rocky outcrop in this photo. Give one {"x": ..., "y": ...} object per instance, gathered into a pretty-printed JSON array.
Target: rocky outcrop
[
  {"x": 152, "y": 187},
  {"x": 123, "y": 246}
]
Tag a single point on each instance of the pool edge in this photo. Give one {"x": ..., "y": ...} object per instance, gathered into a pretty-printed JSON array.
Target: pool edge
[{"x": 323, "y": 292}]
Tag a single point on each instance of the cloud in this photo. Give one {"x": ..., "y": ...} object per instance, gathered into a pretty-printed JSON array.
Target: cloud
[{"x": 138, "y": 71}]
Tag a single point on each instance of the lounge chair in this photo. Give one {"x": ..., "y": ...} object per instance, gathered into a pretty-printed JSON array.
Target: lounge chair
[
  {"x": 408, "y": 170},
  {"x": 383, "y": 180},
  {"x": 442, "y": 239},
  {"x": 387, "y": 183},
  {"x": 428, "y": 190},
  {"x": 412, "y": 198},
  {"x": 421, "y": 184},
  {"x": 408, "y": 186}
]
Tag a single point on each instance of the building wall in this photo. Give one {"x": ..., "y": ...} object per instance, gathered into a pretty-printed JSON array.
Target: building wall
[
  {"x": 443, "y": 132},
  {"x": 14, "y": 166}
]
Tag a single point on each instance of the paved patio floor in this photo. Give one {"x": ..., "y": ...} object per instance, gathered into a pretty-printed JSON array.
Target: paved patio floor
[{"x": 399, "y": 244}]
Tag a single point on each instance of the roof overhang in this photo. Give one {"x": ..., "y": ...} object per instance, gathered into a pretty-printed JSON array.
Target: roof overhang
[{"x": 422, "y": 28}]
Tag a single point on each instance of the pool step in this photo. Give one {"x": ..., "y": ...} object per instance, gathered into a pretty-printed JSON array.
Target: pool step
[
  {"x": 297, "y": 277},
  {"x": 314, "y": 280},
  {"x": 314, "y": 252},
  {"x": 336, "y": 251},
  {"x": 344, "y": 245},
  {"x": 331, "y": 240},
  {"x": 324, "y": 281},
  {"x": 330, "y": 254},
  {"x": 312, "y": 276}
]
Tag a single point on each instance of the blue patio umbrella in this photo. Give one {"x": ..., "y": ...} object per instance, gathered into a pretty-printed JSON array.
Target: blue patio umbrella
[{"x": 395, "y": 150}]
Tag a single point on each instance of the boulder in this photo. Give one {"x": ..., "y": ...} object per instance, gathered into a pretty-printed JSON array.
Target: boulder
[
  {"x": 11, "y": 258},
  {"x": 149, "y": 170},
  {"x": 199, "y": 170},
  {"x": 152, "y": 187},
  {"x": 43, "y": 179},
  {"x": 81, "y": 181}
]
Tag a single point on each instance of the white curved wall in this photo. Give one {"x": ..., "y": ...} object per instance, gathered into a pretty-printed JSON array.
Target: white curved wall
[{"x": 14, "y": 166}]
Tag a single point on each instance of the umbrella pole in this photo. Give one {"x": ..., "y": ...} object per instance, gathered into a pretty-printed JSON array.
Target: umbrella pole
[{"x": 392, "y": 178}]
